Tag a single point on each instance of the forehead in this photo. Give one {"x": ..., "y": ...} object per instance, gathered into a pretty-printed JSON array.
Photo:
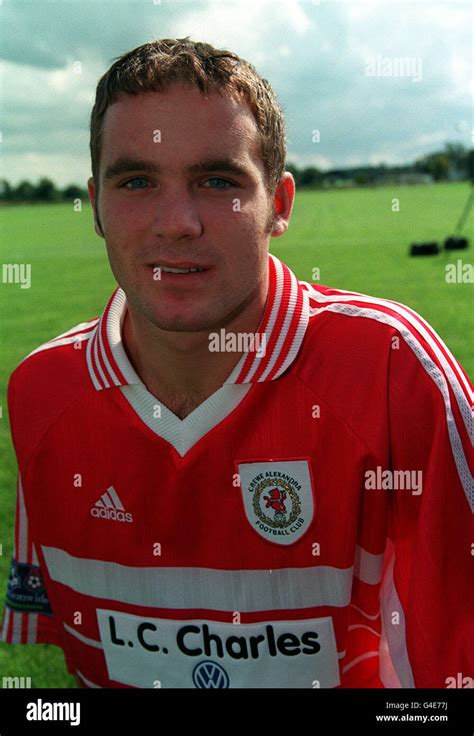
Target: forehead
[{"x": 188, "y": 123}]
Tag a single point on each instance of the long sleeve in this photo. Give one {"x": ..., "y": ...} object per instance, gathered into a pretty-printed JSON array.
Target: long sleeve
[
  {"x": 27, "y": 617},
  {"x": 427, "y": 595}
]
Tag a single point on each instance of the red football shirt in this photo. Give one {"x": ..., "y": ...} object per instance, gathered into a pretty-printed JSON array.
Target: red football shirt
[{"x": 308, "y": 525}]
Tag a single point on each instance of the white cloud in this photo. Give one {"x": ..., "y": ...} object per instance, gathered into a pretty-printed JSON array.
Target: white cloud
[{"x": 313, "y": 54}]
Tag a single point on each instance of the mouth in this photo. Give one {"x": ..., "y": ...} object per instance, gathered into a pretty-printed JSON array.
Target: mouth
[
  {"x": 185, "y": 272},
  {"x": 170, "y": 269}
]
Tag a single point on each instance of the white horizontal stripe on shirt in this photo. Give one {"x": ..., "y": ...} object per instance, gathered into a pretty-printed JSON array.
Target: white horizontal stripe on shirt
[{"x": 206, "y": 588}]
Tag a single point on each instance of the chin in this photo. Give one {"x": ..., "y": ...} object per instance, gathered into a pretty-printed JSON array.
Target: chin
[{"x": 183, "y": 324}]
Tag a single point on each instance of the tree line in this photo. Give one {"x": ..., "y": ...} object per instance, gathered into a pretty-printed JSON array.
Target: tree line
[
  {"x": 453, "y": 162},
  {"x": 45, "y": 190}
]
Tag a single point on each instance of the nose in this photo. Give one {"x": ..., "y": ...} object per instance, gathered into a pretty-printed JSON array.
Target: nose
[{"x": 176, "y": 215}]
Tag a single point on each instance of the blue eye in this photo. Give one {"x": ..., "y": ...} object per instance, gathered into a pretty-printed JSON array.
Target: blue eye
[
  {"x": 226, "y": 183},
  {"x": 133, "y": 181}
]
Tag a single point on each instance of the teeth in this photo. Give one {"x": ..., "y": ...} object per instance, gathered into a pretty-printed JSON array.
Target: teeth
[{"x": 167, "y": 269}]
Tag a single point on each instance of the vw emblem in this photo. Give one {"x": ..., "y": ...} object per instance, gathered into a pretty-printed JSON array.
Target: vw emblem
[{"x": 209, "y": 674}]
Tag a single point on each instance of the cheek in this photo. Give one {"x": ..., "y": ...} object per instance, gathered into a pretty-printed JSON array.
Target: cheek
[
  {"x": 247, "y": 223},
  {"x": 257, "y": 215},
  {"x": 249, "y": 231},
  {"x": 123, "y": 226}
]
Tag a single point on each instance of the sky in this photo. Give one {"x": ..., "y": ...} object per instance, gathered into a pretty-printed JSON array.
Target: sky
[{"x": 379, "y": 80}]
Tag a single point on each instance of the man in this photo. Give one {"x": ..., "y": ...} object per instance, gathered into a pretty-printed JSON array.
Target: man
[{"x": 250, "y": 481}]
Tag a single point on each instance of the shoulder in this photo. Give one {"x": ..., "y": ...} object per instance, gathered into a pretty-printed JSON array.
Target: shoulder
[
  {"x": 387, "y": 342},
  {"x": 373, "y": 321},
  {"x": 51, "y": 361},
  {"x": 328, "y": 301},
  {"x": 45, "y": 382},
  {"x": 353, "y": 328}
]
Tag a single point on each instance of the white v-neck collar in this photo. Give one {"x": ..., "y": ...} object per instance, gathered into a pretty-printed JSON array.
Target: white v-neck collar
[{"x": 183, "y": 434}]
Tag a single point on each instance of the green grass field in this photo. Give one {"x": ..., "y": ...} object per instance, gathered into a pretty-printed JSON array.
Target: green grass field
[{"x": 351, "y": 236}]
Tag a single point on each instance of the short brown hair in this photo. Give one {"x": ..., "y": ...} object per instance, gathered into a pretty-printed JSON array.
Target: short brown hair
[{"x": 154, "y": 66}]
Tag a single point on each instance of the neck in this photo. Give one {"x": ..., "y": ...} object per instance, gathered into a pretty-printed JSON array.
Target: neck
[{"x": 178, "y": 368}]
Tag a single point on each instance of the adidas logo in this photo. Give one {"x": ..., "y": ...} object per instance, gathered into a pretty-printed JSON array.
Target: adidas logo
[{"x": 109, "y": 506}]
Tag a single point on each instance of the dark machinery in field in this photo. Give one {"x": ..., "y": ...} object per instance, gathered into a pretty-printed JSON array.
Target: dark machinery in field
[{"x": 452, "y": 242}]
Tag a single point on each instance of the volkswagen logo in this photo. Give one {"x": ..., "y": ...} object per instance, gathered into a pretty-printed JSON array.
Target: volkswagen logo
[{"x": 209, "y": 674}]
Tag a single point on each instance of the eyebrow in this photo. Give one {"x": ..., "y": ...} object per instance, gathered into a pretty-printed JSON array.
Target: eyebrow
[{"x": 124, "y": 165}]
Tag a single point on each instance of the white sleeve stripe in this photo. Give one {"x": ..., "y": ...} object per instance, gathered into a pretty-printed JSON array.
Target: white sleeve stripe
[
  {"x": 438, "y": 378},
  {"x": 387, "y": 672},
  {"x": 6, "y": 621},
  {"x": 411, "y": 339},
  {"x": 32, "y": 628},
  {"x": 60, "y": 341},
  {"x": 17, "y": 627},
  {"x": 81, "y": 327},
  {"x": 394, "y": 635},
  {"x": 421, "y": 326},
  {"x": 22, "y": 542}
]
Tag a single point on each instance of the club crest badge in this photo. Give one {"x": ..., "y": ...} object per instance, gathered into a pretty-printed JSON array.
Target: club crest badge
[{"x": 278, "y": 498}]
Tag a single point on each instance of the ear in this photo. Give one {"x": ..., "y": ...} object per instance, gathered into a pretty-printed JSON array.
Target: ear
[
  {"x": 283, "y": 202},
  {"x": 91, "y": 188}
]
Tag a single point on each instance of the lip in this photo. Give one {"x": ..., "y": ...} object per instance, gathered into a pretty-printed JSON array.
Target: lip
[{"x": 181, "y": 264}]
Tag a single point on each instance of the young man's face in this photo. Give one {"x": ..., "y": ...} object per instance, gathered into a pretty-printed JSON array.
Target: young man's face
[{"x": 165, "y": 199}]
